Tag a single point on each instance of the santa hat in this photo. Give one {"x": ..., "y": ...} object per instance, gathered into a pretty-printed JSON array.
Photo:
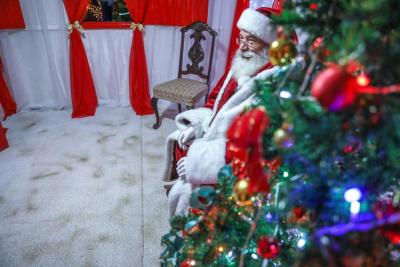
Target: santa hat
[{"x": 258, "y": 24}]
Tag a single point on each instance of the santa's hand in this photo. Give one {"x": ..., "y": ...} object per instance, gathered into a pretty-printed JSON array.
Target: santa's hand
[
  {"x": 181, "y": 167},
  {"x": 185, "y": 137}
]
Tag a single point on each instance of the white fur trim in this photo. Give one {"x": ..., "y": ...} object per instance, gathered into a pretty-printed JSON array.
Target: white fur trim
[
  {"x": 243, "y": 80},
  {"x": 220, "y": 93},
  {"x": 204, "y": 160},
  {"x": 178, "y": 198},
  {"x": 196, "y": 118},
  {"x": 256, "y": 24}
]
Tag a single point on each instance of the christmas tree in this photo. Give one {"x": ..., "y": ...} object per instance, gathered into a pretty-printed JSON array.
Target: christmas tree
[{"x": 313, "y": 178}]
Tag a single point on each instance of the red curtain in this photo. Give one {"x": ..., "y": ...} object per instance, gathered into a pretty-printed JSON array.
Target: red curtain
[
  {"x": 6, "y": 100},
  {"x": 139, "y": 94},
  {"x": 3, "y": 138},
  {"x": 176, "y": 12},
  {"x": 240, "y": 6},
  {"x": 11, "y": 15},
  {"x": 83, "y": 92}
]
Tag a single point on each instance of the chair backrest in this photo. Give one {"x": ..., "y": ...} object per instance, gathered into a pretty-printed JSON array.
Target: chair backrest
[{"x": 196, "y": 51}]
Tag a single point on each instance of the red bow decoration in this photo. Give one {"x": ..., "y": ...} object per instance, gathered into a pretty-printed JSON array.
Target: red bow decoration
[{"x": 244, "y": 149}]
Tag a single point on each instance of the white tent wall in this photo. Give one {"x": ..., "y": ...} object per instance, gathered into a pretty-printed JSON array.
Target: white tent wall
[{"x": 37, "y": 59}]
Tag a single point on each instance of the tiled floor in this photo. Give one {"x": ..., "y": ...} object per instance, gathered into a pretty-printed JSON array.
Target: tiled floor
[{"x": 82, "y": 192}]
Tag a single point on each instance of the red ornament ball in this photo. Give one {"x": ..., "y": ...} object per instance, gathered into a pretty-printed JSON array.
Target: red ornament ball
[
  {"x": 334, "y": 88},
  {"x": 299, "y": 212},
  {"x": 313, "y": 6},
  {"x": 268, "y": 247},
  {"x": 385, "y": 208},
  {"x": 187, "y": 263}
]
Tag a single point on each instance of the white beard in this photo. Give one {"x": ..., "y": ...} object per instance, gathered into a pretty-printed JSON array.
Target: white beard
[{"x": 248, "y": 63}]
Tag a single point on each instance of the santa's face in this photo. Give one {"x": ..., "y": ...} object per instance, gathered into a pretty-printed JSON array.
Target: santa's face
[
  {"x": 248, "y": 42},
  {"x": 250, "y": 57}
]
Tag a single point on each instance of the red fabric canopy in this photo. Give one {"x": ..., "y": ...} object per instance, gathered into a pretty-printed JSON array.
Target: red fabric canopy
[
  {"x": 6, "y": 100},
  {"x": 176, "y": 13},
  {"x": 83, "y": 92}
]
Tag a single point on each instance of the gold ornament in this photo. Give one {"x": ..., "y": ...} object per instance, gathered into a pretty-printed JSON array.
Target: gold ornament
[
  {"x": 282, "y": 52},
  {"x": 283, "y": 137},
  {"x": 242, "y": 195}
]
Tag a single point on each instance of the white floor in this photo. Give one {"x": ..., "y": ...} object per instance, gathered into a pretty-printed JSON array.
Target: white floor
[{"x": 82, "y": 192}]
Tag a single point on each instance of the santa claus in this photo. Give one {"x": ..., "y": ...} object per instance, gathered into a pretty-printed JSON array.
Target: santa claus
[{"x": 196, "y": 151}]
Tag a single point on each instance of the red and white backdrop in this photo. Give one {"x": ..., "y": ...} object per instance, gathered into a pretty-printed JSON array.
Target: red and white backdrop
[
  {"x": 36, "y": 59},
  {"x": 108, "y": 66}
]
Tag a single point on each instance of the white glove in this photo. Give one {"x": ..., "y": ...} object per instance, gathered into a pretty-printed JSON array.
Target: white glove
[
  {"x": 181, "y": 168},
  {"x": 185, "y": 137}
]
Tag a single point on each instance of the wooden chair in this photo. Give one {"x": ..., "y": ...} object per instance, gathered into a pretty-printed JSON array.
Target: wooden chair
[{"x": 187, "y": 91}]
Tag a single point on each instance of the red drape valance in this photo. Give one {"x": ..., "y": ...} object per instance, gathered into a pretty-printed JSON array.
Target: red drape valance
[
  {"x": 240, "y": 6},
  {"x": 176, "y": 12},
  {"x": 6, "y": 100},
  {"x": 83, "y": 92}
]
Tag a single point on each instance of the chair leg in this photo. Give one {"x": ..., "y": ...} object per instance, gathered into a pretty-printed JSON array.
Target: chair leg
[
  {"x": 179, "y": 108},
  {"x": 155, "y": 109}
]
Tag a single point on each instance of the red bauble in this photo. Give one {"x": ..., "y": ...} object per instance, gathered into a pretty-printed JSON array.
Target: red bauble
[
  {"x": 334, "y": 88},
  {"x": 299, "y": 212},
  {"x": 384, "y": 209},
  {"x": 187, "y": 263},
  {"x": 268, "y": 247}
]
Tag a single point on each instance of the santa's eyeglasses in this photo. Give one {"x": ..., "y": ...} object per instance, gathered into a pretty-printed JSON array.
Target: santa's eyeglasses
[{"x": 250, "y": 43}]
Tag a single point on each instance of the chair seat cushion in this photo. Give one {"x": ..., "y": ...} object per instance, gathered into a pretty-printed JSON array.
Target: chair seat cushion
[{"x": 183, "y": 91}]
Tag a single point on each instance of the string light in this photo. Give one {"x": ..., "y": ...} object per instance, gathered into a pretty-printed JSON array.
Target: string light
[
  {"x": 96, "y": 10},
  {"x": 352, "y": 194},
  {"x": 363, "y": 80}
]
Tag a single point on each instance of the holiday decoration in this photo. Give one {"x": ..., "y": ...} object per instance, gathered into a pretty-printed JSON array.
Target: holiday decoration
[
  {"x": 244, "y": 149},
  {"x": 283, "y": 137},
  {"x": 120, "y": 12},
  {"x": 316, "y": 182},
  {"x": 242, "y": 194},
  {"x": 95, "y": 11},
  {"x": 334, "y": 88},
  {"x": 268, "y": 247},
  {"x": 282, "y": 52}
]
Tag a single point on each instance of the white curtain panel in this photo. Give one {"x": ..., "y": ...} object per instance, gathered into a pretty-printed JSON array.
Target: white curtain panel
[{"x": 37, "y": 59}]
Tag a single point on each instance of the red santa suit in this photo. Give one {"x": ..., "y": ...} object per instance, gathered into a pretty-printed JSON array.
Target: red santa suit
[
  {"x": 206, "y": 154},
  {"x": 228, "y": 89}
]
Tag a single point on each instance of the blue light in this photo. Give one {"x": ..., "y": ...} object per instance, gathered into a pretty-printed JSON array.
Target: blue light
[{"x": 352, "y": 194}]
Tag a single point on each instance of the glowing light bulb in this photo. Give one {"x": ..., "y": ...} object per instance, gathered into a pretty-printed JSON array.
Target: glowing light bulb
[
  {"x": 301, "y": 243},
  {"x": 254, "y": 256},
  {"x": 352, "y": 194},
  {"x": 355, "y": 207},
  {"x": 285, "y": 94},
  {"x": 363, "y": 80}
]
